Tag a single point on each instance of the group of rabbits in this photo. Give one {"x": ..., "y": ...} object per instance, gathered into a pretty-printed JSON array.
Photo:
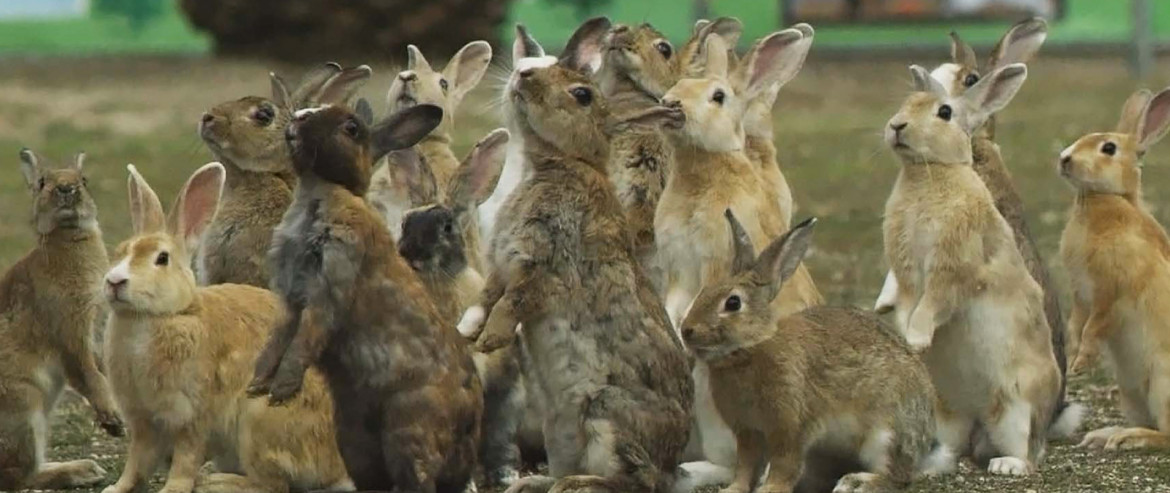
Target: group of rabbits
[{"x": 612, "y": 285}]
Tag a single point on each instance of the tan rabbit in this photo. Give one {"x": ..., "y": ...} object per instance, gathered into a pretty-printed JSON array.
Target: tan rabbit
[
  {"x": 597, "y": 341},
  {"x": 247, "y": 136},
  {"x": 406, "y": 395},
  {"x": 179, "y": 358},
  {"x": 1018, "y": 45},
  {"x": 965, "y": 298},
  {"x": 50, "y": 299},
  {"x": 825, "y": 379},
  {"x": 1118, "y": 261}
]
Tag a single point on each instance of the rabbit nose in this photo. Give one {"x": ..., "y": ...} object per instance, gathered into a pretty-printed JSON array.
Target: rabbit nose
[
  {"x": 207, "y": 118},
  {"x": 66, "y": 189},
  {"x": 408, "y": 76},
  {"x": 672, "y": 103},
  {"x": 1065, "y": 164},
  {"x": 898, "y": 127},
  {"x": 687, "y": 332}
]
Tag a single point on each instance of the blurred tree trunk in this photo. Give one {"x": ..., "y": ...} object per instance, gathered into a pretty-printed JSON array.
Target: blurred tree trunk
[{"x": 343, "y": 29}]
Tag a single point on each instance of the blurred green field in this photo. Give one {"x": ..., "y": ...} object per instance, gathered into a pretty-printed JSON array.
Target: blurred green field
[{"x": 144, "y": 111}]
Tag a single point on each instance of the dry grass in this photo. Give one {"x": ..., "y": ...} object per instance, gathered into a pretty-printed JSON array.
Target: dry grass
[{"x": 828, "y": 122}]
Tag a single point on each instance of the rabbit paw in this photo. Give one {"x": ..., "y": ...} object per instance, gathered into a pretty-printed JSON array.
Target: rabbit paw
[
  {"x": 1137, "y": 438},
  {"x": 285, "y": 387},
  {"x": 80, "y": 473},
  {"x": 1008, "y": 466},
  {"x": 1085, "y": 359},
  {"x": 532, "y": 484},
  {"x": 111, "y": 422},
  {"x": 859, "y": 482},
  {"x": 259, "y": 387},
  {"x": 498, "y": 332},
  {"x": 1097, "y": 439},
  {"x": 920, "y": 332},
  {"x": 472, "y": 322}
]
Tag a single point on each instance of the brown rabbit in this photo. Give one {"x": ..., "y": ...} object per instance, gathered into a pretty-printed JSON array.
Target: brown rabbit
[
  {"x": 598, "y": 344},
  {"x": 1118, "y": 260},
  {"x": 407, "y": 400},
  {"x": 179, "y": 356},
  {"x": 826, "y": 378},
  {"x": 50, "y": 299},
  {"x": 965, "y": 297},
  {"x": 247, "y": 136},
  {"x": 1018, "y": 45}
]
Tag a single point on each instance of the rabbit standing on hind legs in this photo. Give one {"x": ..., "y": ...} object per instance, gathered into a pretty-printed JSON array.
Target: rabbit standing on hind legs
[
  {"x": 50, "y": 301},
  {"x": 965, "y": 297},
  {"x": 1118, "y": 260},
  {"x": 601, "y": 353},
  {"x": 407, "y": 400}
]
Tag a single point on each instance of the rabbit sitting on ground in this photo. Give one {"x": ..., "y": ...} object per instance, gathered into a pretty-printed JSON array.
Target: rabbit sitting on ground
[
  {"x": 179, "y": 355},
  {"x": 1118, "y": 260},
  {"x": 833, "y": 379},
  {"x": 965, "y": 297},
  {"x": 247, "y": 136},
  {"x": 50, "y": 301},
  {"x": 406, "y": 395},
  {"x": 601, "y": 352}
]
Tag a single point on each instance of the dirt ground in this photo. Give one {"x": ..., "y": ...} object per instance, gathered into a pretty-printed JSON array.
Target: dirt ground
[{"x": 144, "y": 111}]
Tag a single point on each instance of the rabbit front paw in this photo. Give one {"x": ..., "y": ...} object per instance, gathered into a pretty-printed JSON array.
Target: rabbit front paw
[
  {"x": 285, "y": 386},
  {"x": 920, "y": 332},
  {"x": 472, "y": 321},
  {"x": 1085, "y": 359},
  {"x": 111, "y": 422},
  {"x": 498, "y": 332}
]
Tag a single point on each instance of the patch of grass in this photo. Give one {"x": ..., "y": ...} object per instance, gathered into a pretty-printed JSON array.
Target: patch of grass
[{"x": 144, "y": 111}]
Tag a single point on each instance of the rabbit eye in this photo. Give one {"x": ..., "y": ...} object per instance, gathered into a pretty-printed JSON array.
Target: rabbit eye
[
  {"x": 582, "y": 94},
  {"x": 350, "y": 127},
  {"x": 163, "y": 259},
  {"x": 1109, "y": 149},
  {"x": 944, "y": 112},
  {"x": 664, "y": 48},
  {"x": 719, "y": 96},
  {"x": 264, "y": 116},
  {"x": 970, "y": 80},
  {"x": 732, "y": 304},
  {"x": 443, "y": 84},
  {"x": 41, "y": 184}
]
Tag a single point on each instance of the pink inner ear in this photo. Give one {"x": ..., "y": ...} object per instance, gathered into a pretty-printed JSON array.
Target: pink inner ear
[
  {"x": 200, "y": 201},
  {"x": 1157, "y": 117}
]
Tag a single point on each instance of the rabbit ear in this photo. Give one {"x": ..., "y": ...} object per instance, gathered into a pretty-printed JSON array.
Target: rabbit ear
[
  {"x": 652, "y": 116},
  {"x": 340, "y": 88},
  {"x": 728, "y": 28},
  {"x": 415, "y": 59},
  {"x": 745, "y": 253},
  {"x": 779, "y": 261},
  {"x": 280, "y": 94},
  {"x": 79, "y": 162},
  {"x": 467, "y": 67},
  {"x": 962, "y": 53},
  {"x": 1019, "y": 44},
  {"x": 308, "y": 89},
  {"x": 1133, "y": 110},
  {"x": 1156, "y": 120},
  {"x": 477, "y": 176},
  {"x": 30, "y": 167},
  {"x": 583, "y": 51},
  {"x": 364, "y": 111},
  {"x": 525, "y": 46},
  {"x": 146, "y": 212},
  {"x": 775, "y": 59},
  {"x": 404, "y": 129},
  {"x": 699, "y": 25},
  {"x": 197, "y": 204},
  {"x": 923, "y": 82},
  {"x": 715, "y": 58},
  {"x": 410, "y": 172},
  {"x": 992, "y": 93}
]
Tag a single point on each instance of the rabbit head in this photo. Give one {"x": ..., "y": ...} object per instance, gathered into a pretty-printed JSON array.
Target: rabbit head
[
  {"x": 933, "y": 126},
  {"x": 1111, "y": 162},
  {"x": 249, "y": 132},
  {"x": 641, "y": 56},
  {"x": 712, "y": 107},
  {"x": 433, "y": 235},
  {"x": 152, "y": 272},
  {"x": 421, "y": 84},
  {"x": 337, "y": 145},
  {"x": 757, "y": 121},
  {"x": 558, "y": 105},
  {"x": 61, "y": 198},
  {"x": 736, "y": 312}
]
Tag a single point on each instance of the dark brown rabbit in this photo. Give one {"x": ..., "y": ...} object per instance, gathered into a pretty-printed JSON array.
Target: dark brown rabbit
[
  {"x": 407, "y": 400},
  {"x": 600, "y": 349},
  {"x": 247, "y": 137}
]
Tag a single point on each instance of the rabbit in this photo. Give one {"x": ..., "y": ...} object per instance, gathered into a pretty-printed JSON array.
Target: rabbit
[
  {"x": 597, "y": 341},
  {"x": 526, "y": 53},
  {"x": 178, "y": 358},
  {"x": 1018, "y": 45},
  {"x": 247, "y": 136},
  {"x": 965, "y": 298},
  {"x": 50, "y": 298},
  {"x": 825, "y": 378},
  {"x": 407, "y": 399},
  {"x": 420, "y": 84},
  {"x": 1116, "y": 255}
]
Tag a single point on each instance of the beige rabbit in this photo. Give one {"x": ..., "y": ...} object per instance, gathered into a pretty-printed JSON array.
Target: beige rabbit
[
  {"x": 421, "y": 84},
  {"x": 825, "y": 379},
  {"x": 965, "y": 298},
  {"x": 50, "y": 299},
  {"x": 179, "y": 358},
  {"x": 247, "y": 136},
  {"x": 1118, "y": 261}
]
